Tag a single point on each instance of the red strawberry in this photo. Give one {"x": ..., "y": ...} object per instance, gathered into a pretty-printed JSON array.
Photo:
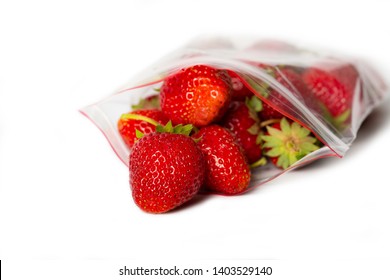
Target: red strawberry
[
  {"x": 286, "y": 142},
  {"x": 226, "y": 168},
  {"x": 166, "y": 170},
  {"x": 348, "y": 75},
  {"x": 139, "y": 120},
  {"x": 243, "y": 122},
  {"x": 334, "y": 95},
  {"x": 239, "y": 91},
  {"x": 197, "y": 95},
  {"x": 268, "y": 113}
]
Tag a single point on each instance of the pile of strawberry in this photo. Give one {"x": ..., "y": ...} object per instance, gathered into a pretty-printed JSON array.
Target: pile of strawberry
[{"x": 205, "y": 130}]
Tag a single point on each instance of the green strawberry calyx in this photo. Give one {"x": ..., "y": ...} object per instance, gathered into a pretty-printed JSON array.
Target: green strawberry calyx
[
  {"x": 340, "y": 122},
  {"x": 254, "y": 103},
  {"x": 152, "y": 102},
  {"x": 260, "y": 87},
  {"x": 288, "y": 144},
  {"x": 178, "y": 129}
]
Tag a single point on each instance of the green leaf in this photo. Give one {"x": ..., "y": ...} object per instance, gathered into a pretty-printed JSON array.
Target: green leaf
[
  {"x": 152, "y": 102},
  {"x": 285, "y": 126},
  {"x": 259, "y": 87},
  {"x": 138, "y": 134},
  {"x": 267, "y": 138},
  {"x": 340, "y": 122},
  {"x": 271, "y": 141},
  {"x": 186, "y": 130},
  {"x": 259, "y": 138},
  {"x": 275, "y": 132},
  {"x": 343, "y": 117},
  {"x": 254, "y": 103},
  {"x": 254, "y": 129},
  {"x": 169, "y": 127},
  {"x": 177, "y": 129},
  {"x": 260, "y": 162},
  {"x": 283, "y": 161},
  {"x": 296, "y": 127},
  {"x": 300, "y": 132},
  {"x": 140, "y": 105},
  {"x": 301, "y": 155},
  {"x": 160, "y": 128},
  {"x": 307, "y": 147},
  {"x": 274, "y": 152},
  {"x": 292, "y": 159},
  {"x": 311, "y": 139},
  {"x": 197, "y": 139}
]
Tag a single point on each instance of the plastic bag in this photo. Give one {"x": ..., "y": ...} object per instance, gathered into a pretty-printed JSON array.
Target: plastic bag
[{"x": 261, "y": 67}]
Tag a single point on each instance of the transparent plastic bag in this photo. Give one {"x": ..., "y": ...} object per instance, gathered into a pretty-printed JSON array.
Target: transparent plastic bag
[{"x": 261, "y": 67}]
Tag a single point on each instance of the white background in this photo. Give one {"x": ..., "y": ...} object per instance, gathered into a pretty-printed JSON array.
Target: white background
[{"x": 65, "y": 194}]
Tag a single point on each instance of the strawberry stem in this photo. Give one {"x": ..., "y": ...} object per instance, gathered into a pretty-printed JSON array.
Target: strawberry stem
[
  {"x": 139, "y": 118},
  {"x": 268, "y": 122}
]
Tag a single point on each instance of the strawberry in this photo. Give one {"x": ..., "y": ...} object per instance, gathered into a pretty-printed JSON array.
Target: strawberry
[
  {"x": 334, "y": 95},
  {"x": 348, "y": 75},
  {"x": 139, "y": 120},
  {"x": 166, "y": 169},
  {"x": 197, "y": 95},
  {"x": 239, "y": 91},
  {"x": 268, "y": 113},
  {"x": 241, "y": 119},
  {"x": 286, "y": 142},
  {"x": 227, "y": 170}
]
